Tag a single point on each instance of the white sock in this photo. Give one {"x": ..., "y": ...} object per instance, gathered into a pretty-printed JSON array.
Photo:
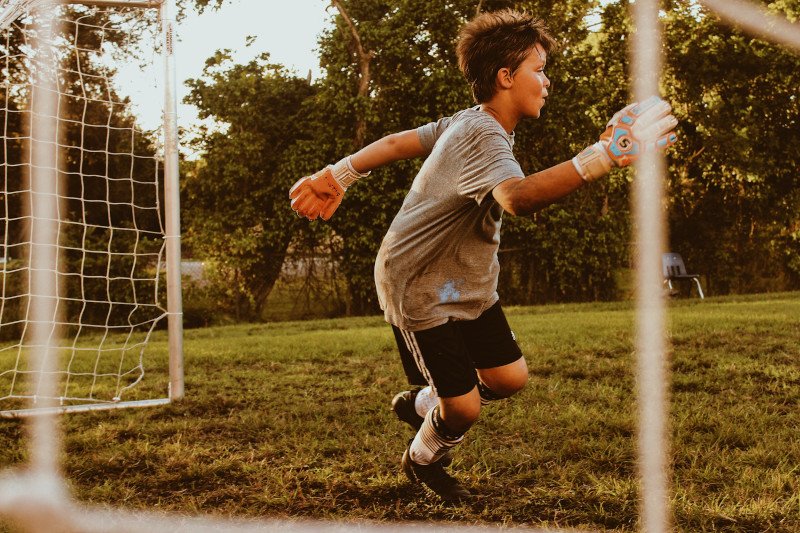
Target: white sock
[
  {"x": 430, "y": 444},
  {"x": 425, "y": 401}
]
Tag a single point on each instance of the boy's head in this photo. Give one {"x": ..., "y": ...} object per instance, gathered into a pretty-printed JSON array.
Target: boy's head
[{"x": 495, "y": 40}]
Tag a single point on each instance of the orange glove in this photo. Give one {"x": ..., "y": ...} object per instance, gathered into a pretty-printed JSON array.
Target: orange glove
[
  {"x": 633, "y": 130},
  {"x": 319, "y": 195}
]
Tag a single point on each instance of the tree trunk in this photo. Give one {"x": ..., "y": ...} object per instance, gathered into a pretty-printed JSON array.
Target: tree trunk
[
  {"x": 268, "y": 275},
  {"x": 364, "y": 58},
  {"x": 355, "y": 303}
]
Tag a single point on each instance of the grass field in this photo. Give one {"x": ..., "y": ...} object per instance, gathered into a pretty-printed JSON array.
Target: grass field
[{"x": 292, "y": 420}]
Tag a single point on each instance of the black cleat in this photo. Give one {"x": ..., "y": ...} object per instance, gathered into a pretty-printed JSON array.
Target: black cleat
[
  {"x": 403, "y": 407},
  {"x": 435, "y": 478}
]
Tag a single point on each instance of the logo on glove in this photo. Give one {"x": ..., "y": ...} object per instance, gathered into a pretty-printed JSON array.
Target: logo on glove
[{"x": 625, "y": 143}]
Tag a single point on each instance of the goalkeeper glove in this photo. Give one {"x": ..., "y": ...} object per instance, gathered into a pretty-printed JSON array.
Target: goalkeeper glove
[
  {"x": 633, "y": 130},
  {"x": 320, "y": 194}
]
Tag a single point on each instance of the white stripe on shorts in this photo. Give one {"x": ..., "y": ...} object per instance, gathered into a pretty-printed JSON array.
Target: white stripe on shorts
[{"x": 416, "y": 353}]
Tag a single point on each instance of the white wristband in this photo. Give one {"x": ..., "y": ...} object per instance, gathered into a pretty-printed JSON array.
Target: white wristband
[
  {"x": 344, "y": 173},
  {"x": 593, "y": 162}
]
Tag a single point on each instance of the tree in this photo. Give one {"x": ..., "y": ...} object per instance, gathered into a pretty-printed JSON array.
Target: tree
[
  {"x": 390, "y": 65},
  {"x": 735, "y": 194},
  {"x": 235, "y": 199}
]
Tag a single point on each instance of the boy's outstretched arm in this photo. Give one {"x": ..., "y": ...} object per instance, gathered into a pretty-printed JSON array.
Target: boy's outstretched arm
[
  {"x": 524, "y": 196},
  {"x": 635, "y": 129},
  {"x": 320, "y": 194}
]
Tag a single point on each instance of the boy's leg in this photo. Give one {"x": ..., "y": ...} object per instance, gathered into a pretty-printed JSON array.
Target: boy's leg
[
  {"x": 442, "y": 358},
  {"x": 447, "y": 356},
  {"x": 502, "y": 370},
  {"x": 491, "y": 345},
  {"x": 411, "y": 406},
  {"x": 502, "y": 381},
  {"x": 428, "y": 453}
]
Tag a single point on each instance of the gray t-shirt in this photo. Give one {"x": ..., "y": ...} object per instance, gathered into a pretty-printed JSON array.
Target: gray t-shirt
[{"x": 438, "y": 260}]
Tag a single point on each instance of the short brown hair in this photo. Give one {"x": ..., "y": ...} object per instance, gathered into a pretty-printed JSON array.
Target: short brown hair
[{"x": 495, "y": 40}]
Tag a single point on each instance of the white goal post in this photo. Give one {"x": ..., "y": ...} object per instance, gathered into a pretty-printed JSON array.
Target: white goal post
[{"x": 85, "y": 221}]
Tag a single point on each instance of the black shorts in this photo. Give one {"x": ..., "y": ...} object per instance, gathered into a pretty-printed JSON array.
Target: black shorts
[{"x": 446, "y": 357}]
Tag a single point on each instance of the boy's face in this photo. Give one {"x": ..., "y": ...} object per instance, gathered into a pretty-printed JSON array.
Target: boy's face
[{"x": 530, "y": 83}]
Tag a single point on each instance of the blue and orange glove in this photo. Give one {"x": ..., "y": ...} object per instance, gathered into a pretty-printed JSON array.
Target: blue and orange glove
[
  {"x": 637, "y": 128},
  {"x": 320, "y": 194}
]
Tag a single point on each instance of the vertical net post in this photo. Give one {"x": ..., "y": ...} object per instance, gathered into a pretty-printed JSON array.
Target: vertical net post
[
  {"x": 37, "y": 495},
  {"x": 648, "y": 193},
  {"x": 172, "y": 207},
  {"x": 44, "y": 212}
]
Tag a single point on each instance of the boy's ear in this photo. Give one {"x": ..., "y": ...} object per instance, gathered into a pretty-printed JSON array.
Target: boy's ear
[{"x": 504, "y": 78}]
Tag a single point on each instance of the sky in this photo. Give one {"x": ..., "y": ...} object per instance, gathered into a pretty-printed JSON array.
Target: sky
[{"x": 287, "y": 29}]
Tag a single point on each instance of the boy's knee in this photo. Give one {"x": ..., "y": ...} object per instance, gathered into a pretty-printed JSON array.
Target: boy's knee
[
  {"x": 507, "y": 380},
  {"x": 518, "y": 382},
  {"x": 513, "y": 384}
]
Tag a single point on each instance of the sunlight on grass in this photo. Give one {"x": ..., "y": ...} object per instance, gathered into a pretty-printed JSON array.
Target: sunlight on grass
[
  {"x": 93, "y": 368},
  {"x": 292, "y": 419}
]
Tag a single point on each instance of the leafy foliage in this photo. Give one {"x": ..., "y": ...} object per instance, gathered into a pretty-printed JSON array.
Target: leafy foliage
[
  {"x": 733, "y": 192},
  {"x": 233, "y": 215}
]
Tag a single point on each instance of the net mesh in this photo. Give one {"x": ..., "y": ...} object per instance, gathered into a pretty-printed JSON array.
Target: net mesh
[{"x": 110, "y": 233}]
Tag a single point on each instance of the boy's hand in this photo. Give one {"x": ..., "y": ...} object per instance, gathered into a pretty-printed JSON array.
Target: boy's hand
[
  {"x": 319, "y": 195},
  {"x": 633, "y": 130},
  {"x": 639, "y": 128}
]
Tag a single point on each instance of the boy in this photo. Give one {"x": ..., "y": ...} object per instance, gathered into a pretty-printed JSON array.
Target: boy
[{"x": 437, "y": 268}]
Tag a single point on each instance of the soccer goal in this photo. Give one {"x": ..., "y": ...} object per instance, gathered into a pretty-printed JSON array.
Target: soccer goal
[{"x": 89, "y": 210}]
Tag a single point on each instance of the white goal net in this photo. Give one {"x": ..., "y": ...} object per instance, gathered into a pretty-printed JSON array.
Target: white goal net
[{"x": 108, "y": 236}]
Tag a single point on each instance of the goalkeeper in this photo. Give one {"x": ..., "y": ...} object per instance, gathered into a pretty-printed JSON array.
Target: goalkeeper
[{"x": 437, "y": 268}]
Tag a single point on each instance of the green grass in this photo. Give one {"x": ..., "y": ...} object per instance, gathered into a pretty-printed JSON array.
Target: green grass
[
  {"x": 292, "y": 419},
  {"x": 100, "y": 368}
]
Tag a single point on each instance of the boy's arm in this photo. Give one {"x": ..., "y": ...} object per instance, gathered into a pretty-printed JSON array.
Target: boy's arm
[
  {"x": 394, "y": 147},
  {"x": 635, "y": 129},
  {"x": 524, "y": 196},
  {"x": 319, "y": 195}
]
